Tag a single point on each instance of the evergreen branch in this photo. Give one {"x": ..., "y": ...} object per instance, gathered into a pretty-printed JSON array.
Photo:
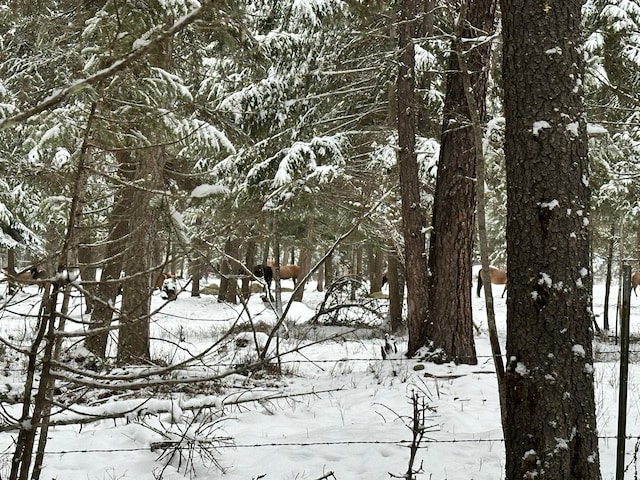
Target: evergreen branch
[{"x": 123, "y": 62}]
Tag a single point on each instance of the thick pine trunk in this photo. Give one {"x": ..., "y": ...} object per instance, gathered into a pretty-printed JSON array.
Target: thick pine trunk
[
  {"x": 329, "y": 271},
  {"x": 551, "y": 432},
  {"x": 11, "y": 269},
  {"x": 395, "y": 278},
  {"x": 229, "y": 269},
  {"x": 374, "y": 256},
  {"x": 450, "y": 325},
  {"x": 249, "y": 262},
  {"x": 304, "y": 261},
  {"x": 106, "y": 290},
  {"x": 413, "y": 218},
  {"x": 195, "y": 270},
  {"x": 133, "y": 333}
]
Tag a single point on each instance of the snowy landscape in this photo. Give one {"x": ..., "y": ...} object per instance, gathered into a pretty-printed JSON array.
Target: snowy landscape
[
  {"x": 338, "y": 411},
  {"x": 157, "y": 137}
]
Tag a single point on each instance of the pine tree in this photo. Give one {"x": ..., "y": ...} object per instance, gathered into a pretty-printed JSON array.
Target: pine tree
[
  {"x": 450, "y": 325},
  {"x": 551, "y": 429}
]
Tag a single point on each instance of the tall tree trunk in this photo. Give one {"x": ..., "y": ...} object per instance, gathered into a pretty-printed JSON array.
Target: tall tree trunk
[
  {"x": 304, "y": 261},
  {"x": 88, "y": 270},
  {"x": 225, "y": 270},
  {"x": 198, "y": 265},
  {"x": 357, "y": 265},
  {"x": 115, "y": 244},
  {"x": 450, "y": 325},
  {"x": 12, "y": 286},
  {"x": 249, "y": 261},
  {"x": 229, "y": 269},
  {"x": 395, "y": 278},
  {"x": 133, "y": 333},
  {"x": 413, "y": 219},
  {"x": 195, "y": 271},
  {"x": 141, "y": 268},
  {"x": 551, "y": 433},
  {"x": 607, "y": 291},
  {"x": 329, "y": 270},
  {"x": 374, "y": 257},
  {"x": 320, "y": 279}
]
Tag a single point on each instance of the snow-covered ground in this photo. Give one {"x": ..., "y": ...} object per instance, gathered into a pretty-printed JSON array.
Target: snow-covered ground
[{"x": 339, "y": 408}]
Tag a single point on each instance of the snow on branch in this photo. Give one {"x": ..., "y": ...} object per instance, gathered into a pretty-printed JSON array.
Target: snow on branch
[
  {"x": 139, "y": 50},
  {"x": 305, "y": 155},
  {"x": 313, "y": 11}
]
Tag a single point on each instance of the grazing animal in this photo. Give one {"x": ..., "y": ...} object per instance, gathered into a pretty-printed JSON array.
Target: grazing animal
[
  {"x": 635, "y": 281},
  {"x": 389, "y": 349},
  {"x": 266, "y": 272},
  {"x": 29, "y": 276},
  {"x": 290, "y": 271},
  {"x": 497, "y": 276},
  {"x": 385, "y": 280}
]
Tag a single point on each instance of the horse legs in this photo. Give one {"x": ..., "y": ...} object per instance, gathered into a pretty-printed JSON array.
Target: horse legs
[{"x": 480, "y": 286}]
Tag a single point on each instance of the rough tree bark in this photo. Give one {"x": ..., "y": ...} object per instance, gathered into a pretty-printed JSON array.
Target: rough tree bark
[
  {"x": 551, "y": 432},
  {"x": 375, "y": 258},
  {"x": 115, "y": 244},
  {"x": 249, "y": 261},
  {"x": 133, "y": 333},
  {"x": 11, "y": 269},
  {"x": 229, "y": 269},
  {"x": 450, "y": 324},
  {"x": 306, "y": 252},
  {"x": 328, "y": 271},
  {"x": 413, "y": 218},
  {"x": 395, "y": 277}
]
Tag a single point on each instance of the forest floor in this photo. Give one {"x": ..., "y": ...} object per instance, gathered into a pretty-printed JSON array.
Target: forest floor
[{"x": 338, "y": 411}]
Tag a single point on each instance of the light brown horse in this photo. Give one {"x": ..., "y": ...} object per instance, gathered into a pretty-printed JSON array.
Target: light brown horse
[
  {"x": 290, "y": 271},
  {"x": 29, "y": 276},
  {"x": 497, "y": 276},
  {"x": 635, "y": 281}
]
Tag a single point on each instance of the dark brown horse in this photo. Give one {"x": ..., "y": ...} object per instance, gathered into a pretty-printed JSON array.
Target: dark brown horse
[
  {"x": 497, "y": 276},
  {"x": 266, "y": 272}
]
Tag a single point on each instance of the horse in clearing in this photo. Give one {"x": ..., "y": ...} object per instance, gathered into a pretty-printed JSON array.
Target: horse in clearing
[{"x": 497, "y": 276}]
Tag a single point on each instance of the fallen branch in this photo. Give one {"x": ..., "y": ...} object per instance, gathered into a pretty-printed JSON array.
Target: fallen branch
[{"x": 147, "y": 407}]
